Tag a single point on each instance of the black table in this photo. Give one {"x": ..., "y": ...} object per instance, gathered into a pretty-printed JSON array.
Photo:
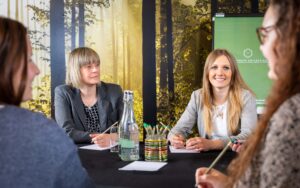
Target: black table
[{"x": 103, "y": 166}]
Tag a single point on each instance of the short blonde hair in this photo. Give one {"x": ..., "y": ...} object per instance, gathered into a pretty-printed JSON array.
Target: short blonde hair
[{"x": 78, "y": 58}]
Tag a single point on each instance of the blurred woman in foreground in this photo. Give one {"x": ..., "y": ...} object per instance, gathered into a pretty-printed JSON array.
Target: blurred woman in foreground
[
  {"x": 271, "y": 156},
  {"x": 35, "y": 152}
]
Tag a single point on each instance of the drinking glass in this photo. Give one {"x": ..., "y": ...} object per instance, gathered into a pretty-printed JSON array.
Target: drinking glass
[{"x": 114, "y": 139}]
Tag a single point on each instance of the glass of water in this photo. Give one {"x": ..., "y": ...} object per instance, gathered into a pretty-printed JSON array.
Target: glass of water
[{"x": 114, "y": 139}]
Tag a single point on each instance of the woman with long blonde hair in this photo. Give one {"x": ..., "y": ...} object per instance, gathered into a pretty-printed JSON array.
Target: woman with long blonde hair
[
  {"x": 270, "y": 158},
  {"x": 224, "y": 107}
]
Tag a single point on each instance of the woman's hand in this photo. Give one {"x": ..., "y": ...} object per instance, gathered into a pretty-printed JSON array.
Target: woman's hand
[
  {"x": 198, "y": 143},
  {"x": 238, "y": 146},
  {"x": 102, "y": 140},
  {"x": 214, "y": 179},
  {"x": 178, "y": 141}
]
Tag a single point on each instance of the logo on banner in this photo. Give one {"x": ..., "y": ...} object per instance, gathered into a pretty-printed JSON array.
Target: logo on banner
[{"x": 247, "y": 53}]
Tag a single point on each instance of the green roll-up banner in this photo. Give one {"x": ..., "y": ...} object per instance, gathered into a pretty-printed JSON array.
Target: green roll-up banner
[{"x": 238, "y": 35}]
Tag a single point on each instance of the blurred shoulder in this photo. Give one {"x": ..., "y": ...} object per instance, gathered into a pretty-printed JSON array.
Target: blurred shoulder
[
  {"x": 196, "y": 96},
  {"x": 14, "y": 113},
  {"x": 64, "y": 88},
  {"x": 197, "y": 92},
  {"x": 28, "y": 125},
  {"x": 247, "y": 95},
  {"x": 290, "y": 107},
  {"x": 246, "y": 92}
]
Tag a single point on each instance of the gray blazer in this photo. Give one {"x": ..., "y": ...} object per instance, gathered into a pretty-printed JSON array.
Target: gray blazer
[
  {"x": 70, "y": 114},
  {"x": 193, "y": 115}
]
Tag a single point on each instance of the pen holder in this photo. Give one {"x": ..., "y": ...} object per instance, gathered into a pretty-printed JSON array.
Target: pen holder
[{"x": 156, "y": 149}]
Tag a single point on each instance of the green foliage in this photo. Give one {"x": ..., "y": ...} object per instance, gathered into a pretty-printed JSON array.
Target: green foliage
[
  {"x": 138, "y": 111},
  {"x": 40, "y": 15},
  {"x": 191, "y": 44},
  {"x": 240, "y": 7},
  {"x": 263, "y": 5},
  {"x": 43, "y": 102}
]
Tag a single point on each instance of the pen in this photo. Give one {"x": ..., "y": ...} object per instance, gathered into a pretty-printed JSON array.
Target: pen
[
  {"x": 234, "y": 140},
  {"x": 107, "y": 129},
  {"x": 218, "y": 158},
  {"x": 166, "y": 128}
]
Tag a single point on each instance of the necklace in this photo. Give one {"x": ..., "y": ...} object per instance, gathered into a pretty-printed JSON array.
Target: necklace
[{"x": 219, "y": 111}]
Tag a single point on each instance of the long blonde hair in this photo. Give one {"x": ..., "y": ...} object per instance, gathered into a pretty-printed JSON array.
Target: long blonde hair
[
  {"x": 287, "y": 50},
  {"x": 235, "y": 103}
]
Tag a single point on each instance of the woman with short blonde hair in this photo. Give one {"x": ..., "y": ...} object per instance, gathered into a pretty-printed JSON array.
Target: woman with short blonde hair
[
  {"x": 79, "y": 57},
  {"x": 86, "y": 106}
]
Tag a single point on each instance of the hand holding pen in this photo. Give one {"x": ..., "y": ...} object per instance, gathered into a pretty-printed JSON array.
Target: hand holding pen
[
  {"x": 178, "y": 141},
  {"x": 215, "y": 179},
  {"x": 102, "y": 139},
  {"x": 208, "y": 177},
  {"x": 237, "y": 145}
]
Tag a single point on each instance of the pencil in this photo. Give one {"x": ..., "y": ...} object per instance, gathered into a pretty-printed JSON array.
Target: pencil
[
  {"x": 107, "y": 129},
  {"x": 218, "y": 158},
  {"x": 166, "y": 128}
]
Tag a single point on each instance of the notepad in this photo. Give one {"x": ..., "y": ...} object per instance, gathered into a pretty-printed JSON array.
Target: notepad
[
  {"x": 143, "y": 166},
  {"x": 96, "y": 147},
  {"x": 182, "y": 150}
]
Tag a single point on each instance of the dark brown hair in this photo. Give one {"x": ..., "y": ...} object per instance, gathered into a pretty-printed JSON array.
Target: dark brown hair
[
  {"x": 287, "y": 50},
  {"x": 13, "y": 52}
]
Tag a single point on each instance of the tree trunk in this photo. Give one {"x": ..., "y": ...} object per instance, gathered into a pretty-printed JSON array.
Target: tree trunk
[
  {"x": 130, "y": 68},
  {"x": 73, "y": 25},
  {"x": 8, "y": 8},
  {"x": 22, "y": 13},
  {"x": 170, "y": 47},
  {"x": 17, "y": 9},
  {"x": 149, "y": 66},
  {"x": 170, "y": 59},
  {"x": 57, "y": 46},
  {"x": 114, "y": 58},
  {"x": 81, "y": 23},
  {"x": 197, "y": 42},
  {"x": 254, "y": 6},
  {"x": 163, "y": 49}
]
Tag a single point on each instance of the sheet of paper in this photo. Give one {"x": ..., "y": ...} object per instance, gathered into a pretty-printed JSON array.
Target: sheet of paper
[
  {"x": 144, "y": 166},
  {"x": 182, "y": 150},
  {"x": 96, "y": 147}
]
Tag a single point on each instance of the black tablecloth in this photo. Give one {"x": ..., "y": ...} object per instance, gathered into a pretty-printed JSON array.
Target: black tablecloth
[{"x": 103, "y": 167}]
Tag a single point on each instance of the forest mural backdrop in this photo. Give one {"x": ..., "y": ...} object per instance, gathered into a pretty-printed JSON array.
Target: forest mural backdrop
[{"x": 114, "y": 29}]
